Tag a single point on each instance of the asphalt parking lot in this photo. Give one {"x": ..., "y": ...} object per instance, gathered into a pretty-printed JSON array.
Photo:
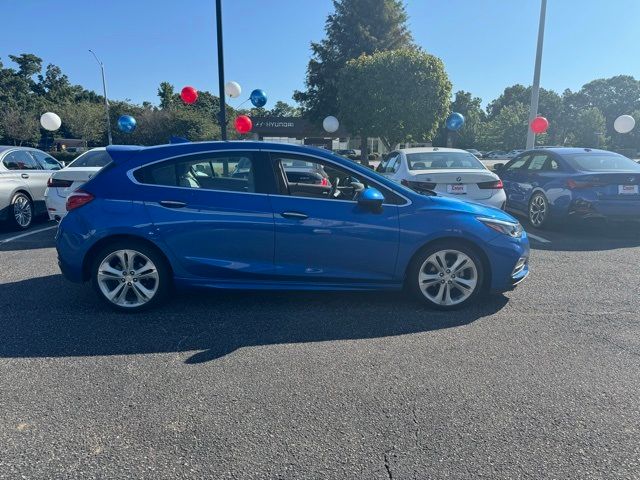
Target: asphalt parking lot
[{"x": 543, "y": 382}]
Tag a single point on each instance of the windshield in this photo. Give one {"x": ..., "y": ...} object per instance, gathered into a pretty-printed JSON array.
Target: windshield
[
  {"x": 92, "y": 158},
  {"x": 443, "y": 160},
  {"x": 602, "y": 162}
]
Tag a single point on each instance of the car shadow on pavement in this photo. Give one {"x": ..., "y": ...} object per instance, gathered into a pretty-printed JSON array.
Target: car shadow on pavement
[
  {"x": 587, "y": 236},
  {"x": 63, "y": 319}
]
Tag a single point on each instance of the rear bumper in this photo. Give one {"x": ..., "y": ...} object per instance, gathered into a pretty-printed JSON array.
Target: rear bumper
[{"x": 609, "y": 209}]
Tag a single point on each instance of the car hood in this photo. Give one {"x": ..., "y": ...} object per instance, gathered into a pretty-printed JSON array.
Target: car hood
[{"x": 472, "y": 208}]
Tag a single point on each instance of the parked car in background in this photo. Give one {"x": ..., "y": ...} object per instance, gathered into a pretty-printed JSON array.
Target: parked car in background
[
  {"x": 495, "y": 155},
  {"x": 24, "y": 173},
  {"x": 446, "y": 171},
  {"x": 71, "y": 177},
  {"x": 513, "y": 153},
  {"x": 475, "y": 152},
  {"x": 145, "y": 224},
  {"x": 553, "y": 184}
]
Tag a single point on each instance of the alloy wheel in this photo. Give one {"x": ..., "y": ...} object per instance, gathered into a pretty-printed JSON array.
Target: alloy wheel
[
  {"x": 22, "y": 211},
  {"x": 448, "y": 277},
  {"x": 537, "y": 210},
  {"x": 127, "y": 278}
]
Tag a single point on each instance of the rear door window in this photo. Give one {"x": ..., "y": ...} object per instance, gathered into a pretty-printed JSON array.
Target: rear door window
[
  {"x": 537, "y": 162},
  {"x": 517, "y": 163}
]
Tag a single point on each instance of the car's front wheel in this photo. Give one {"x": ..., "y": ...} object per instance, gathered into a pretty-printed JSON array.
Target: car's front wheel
[
  {"x": 446, "y": 276},
  {"x": 130, "y": 277}
]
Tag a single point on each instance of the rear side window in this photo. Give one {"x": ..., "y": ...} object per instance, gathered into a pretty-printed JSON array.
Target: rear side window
[
  {"x": 20, "y": 160},
  {"x": 93, "y": 158},
  {"x": 537, "y": 162},
  {"x": 517, "y": 163},
  {"x": 228, "y": 172}
]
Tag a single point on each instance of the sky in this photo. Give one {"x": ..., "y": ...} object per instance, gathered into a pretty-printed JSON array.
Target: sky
[{"x": 486, "y": 45}]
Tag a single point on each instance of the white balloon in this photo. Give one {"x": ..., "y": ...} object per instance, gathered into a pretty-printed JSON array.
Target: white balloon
[
  {"x": 50, "y": 121},
  {"x": 624, "y": 124},
  {"x": 330, "y": 124},
  {"x": 233, "y": 89}
]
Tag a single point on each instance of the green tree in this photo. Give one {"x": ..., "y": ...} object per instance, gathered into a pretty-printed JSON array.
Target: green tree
[
  {"x": 85, "y": 121},
  {"x": 508, "y": 129},
  {"x": 356, "y": 27},
  {"x": 283, "y": 109},
  {"x": 375, "y": 101},
  {"x": 20, "y": 126},
  {"x": 28, "y": 64},
  {"x": 589, "y": 129},
  {"x": 168, "y": 97},
  {"x": 468, "y": 136}
]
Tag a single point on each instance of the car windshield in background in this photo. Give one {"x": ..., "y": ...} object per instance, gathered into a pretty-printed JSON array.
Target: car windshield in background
[
  {"x": 442, "y": 160},
  {"x": 602, "y": 162},
  {"x": 96, "y": 158}
]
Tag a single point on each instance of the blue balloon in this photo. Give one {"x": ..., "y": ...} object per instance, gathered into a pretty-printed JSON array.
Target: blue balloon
[
  {"x": 455, "y": 121},
  {"x": 126, "y": 123},
  {"x": 258, "y": 98}
]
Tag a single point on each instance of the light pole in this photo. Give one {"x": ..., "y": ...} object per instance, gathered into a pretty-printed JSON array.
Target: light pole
[
  {"x": 106, "y": 100},
  {"x": 535, "y": 90},
  {"x": 223, "y": 109}
]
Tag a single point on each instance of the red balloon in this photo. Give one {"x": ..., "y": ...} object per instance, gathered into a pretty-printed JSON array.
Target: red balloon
[
  {"x": 539, "y": 125},
  {"x": 243, "y": 124},
  {"x": 189, "y": 95}
]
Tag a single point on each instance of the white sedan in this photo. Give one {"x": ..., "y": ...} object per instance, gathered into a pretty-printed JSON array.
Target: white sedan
[
  {"x": 446, "y": 171},
  {"x": 70, "y": 178}
]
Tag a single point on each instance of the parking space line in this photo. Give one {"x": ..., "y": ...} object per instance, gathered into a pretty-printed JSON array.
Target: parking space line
[
  {"x": 26, "y": 234},
  {"x": 537, "y": 238}
]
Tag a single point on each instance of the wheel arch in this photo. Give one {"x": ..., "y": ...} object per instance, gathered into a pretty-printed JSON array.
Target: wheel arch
[
  {"x": 103, "y": 242},
  {"x": 486, "y": 265}
]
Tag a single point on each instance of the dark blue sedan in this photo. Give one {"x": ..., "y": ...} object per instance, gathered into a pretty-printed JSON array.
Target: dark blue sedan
[
  {"x": 552, "y": 184},
  {"x": 231, "y": 215}
]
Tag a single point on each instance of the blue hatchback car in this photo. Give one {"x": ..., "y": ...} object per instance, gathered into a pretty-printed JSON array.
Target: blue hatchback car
[
  {"x": 553, "y": 184},
  {"x": 240, "y": 215}
]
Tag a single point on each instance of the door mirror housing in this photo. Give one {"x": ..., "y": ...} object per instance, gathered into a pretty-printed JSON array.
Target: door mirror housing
[
  {"x": 498, "y": 167},
  {"x": 370, "y": 198}
]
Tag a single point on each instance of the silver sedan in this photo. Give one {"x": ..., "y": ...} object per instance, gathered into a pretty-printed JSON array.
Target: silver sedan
[{"x": 24, "y": 173}]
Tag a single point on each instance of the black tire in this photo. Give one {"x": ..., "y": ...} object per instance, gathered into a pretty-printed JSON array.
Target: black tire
[
  {"x": 21, "y": 211},
  {"x": 413, "y": 282},
  {"x": 131, "y": 282},
  {"x": 538, "y": 211}
]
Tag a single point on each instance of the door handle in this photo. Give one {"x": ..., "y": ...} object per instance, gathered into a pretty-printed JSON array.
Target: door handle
[
  {"x": 294, "y": 215},
  {"x": 172, "y": 204},
  {"x": 25, "y": 175}
]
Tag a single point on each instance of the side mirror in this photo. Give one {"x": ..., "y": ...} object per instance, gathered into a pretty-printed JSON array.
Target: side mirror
[
  {"x": 498, "y": 167},
  {"x": 371, "y": 199}
]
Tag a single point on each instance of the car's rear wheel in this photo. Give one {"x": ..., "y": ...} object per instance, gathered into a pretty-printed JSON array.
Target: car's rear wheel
[
  {"x": 539, "y": 215},
  {"x": 21, "y": 213},
  {"x": 130, "y": 276},
  {"x": 446, "y": 276}
]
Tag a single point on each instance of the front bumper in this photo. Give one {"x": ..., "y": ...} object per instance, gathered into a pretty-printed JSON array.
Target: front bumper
[{"x": 509, "y": 258}]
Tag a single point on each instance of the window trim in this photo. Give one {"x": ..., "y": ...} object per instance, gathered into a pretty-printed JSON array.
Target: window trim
[{"x": 267, "y": 151}]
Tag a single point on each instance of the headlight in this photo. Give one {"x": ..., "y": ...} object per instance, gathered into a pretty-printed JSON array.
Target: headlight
[{"x": 508, "y": 228}]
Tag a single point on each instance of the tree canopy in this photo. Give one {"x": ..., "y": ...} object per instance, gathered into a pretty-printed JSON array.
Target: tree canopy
[
  {"x": 375, "y": 101},
  {"x": 356, "y": 27}
]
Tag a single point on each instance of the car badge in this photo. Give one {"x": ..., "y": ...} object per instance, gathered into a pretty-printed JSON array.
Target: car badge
[
  {"x": 631, "y": 179},
  {"x": 459, "y": 179}
]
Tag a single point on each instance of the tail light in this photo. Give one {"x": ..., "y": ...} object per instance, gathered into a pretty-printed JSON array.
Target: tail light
[
  {"x": 495, "y": 184},
  {"x": 324, "y": 182},
  {"x": 418, "y": 185},
  {"x": 56, "y": 183},
  {"x": 78, "y": 199}
]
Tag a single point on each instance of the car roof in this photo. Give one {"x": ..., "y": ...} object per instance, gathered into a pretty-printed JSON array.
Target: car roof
[
  {"x": 571, "y": 150},
  {"x": 4, "y": 148},
  {"x": 430, "y": 149}
]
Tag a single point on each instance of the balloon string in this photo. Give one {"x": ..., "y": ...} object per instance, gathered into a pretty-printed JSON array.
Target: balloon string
[{"x": 244, "y": 102}]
